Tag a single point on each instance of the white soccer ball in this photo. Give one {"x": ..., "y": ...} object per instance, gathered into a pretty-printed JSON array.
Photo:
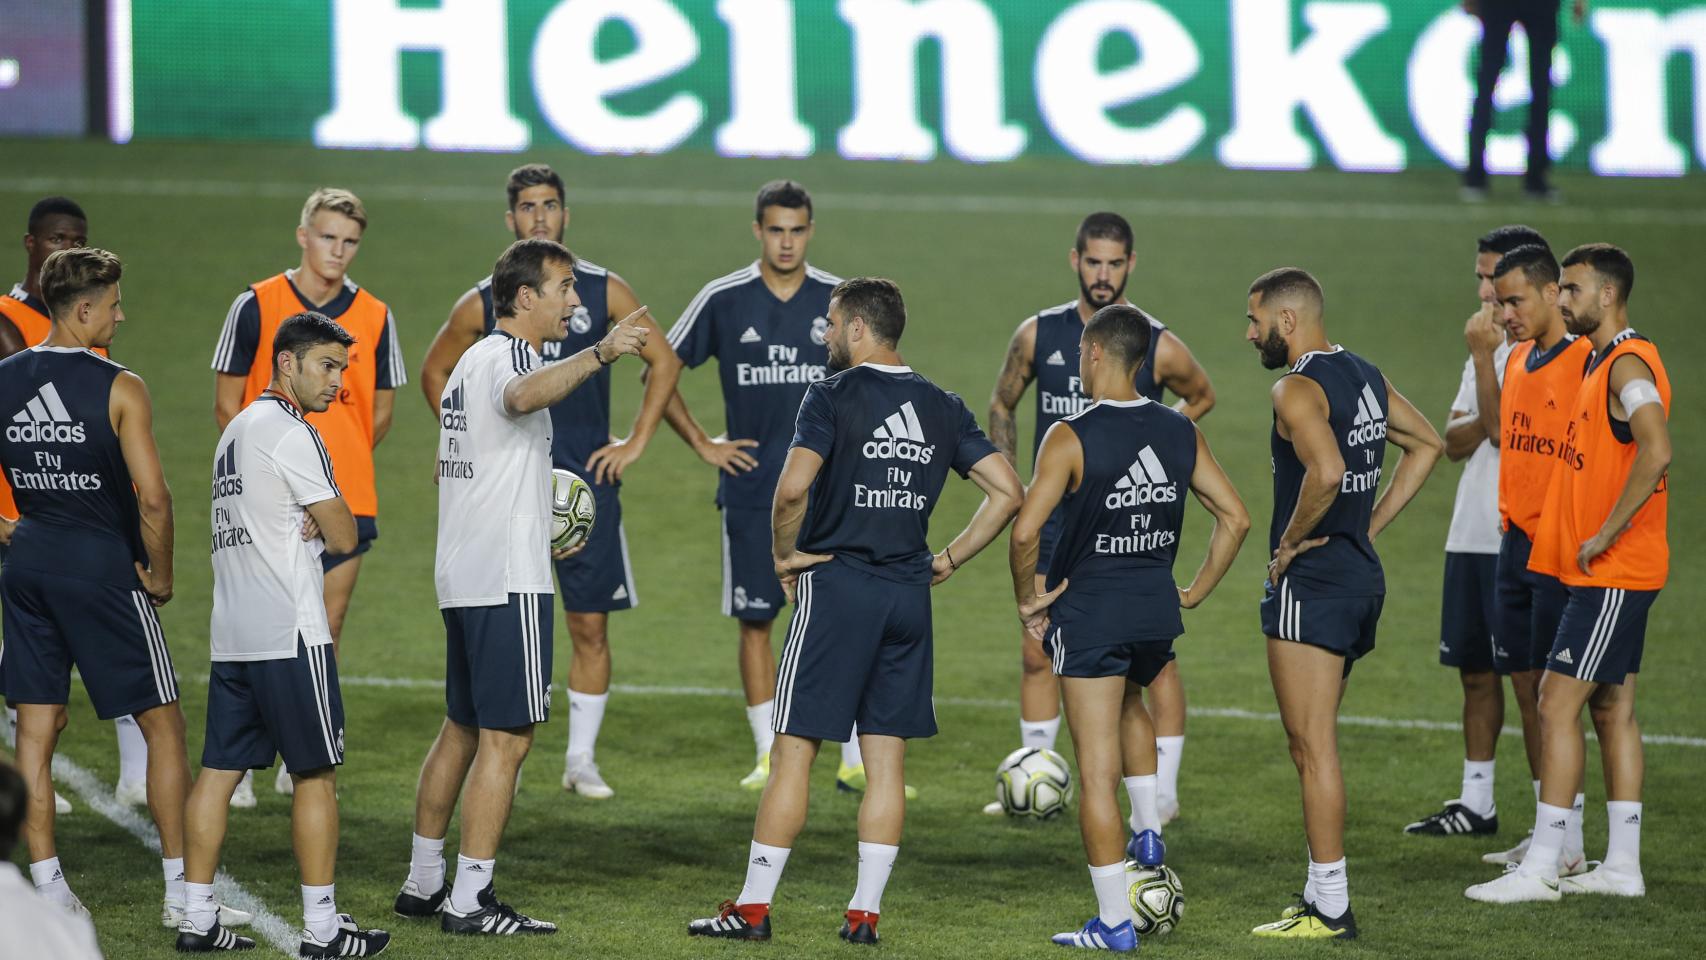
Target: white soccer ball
[
  {"x": 1157, "y": 899},
  {"x": 573, "y": 510},
  {"x": 1033, "y": 782}
]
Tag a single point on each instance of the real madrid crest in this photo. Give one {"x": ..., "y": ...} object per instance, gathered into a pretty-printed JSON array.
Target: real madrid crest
[
  {"x": 820, "y": 330},
  {"x": 581, "y": 320}
]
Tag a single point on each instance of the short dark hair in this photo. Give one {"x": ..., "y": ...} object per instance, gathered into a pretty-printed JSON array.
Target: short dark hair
[
  {"x": 69, "y": 274},
  {"x": 878, "y": 302},
  {"x": 1611, "y": 263},
  {"x": 1502, "y": 240},
  {"x": 523, "y": 265},
  {"x": 1103, "y": 226},
  {"x": 1289, "y": 281},
  {"x": 1123, "y": 331},
  {"x": 54, "y": 207},
  {"x": 533, "y": 175},
  {"x": 14, "y": 804},
  {"x": 1535, "y": 261},
  {"x": 782, "y": 193},
  {"x": 304, "y": 331}
]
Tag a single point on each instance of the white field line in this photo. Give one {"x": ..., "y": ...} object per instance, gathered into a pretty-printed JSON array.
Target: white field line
[
  {"x": 1443, "y": 212},
  {"x": 1219, "y": 713},
  {"x": 98, "y": 797}
]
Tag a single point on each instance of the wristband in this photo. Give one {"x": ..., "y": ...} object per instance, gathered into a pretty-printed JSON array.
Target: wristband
[
  {"x": 596, "y": 355},
  {"x": 949, "y": 553}
]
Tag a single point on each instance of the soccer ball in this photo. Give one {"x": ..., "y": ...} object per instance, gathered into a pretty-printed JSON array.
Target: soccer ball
[
  {"x": 573, "y": 510},
  {"x": 1033, "y": 782},
  {"x": 1157, "y": 899}
]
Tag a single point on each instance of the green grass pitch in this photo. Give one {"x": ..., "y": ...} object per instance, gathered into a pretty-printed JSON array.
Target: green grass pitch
[{"x": 975, "y": 250}]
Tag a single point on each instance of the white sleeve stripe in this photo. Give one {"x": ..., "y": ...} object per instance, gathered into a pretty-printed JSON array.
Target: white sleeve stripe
[
  {"x": 824, "y": 275},
  {"x": 399, "y": 373},
  {"x": 690, "y": 316},
  {"x": 325, "y": 458},
  {"x": 228, "y": 334}
]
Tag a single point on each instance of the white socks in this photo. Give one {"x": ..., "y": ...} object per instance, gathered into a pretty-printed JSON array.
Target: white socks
[
  {"x": 1039, "y": 733},
  {"x": 876, "y": 860},
  {"x": 1111, "y": 892},
  {"x": 763, "y": 871},
  {"x": 586, "y": 715},
  {"x": 1477, "y": 793},
  {"x": 200, "y": 909},
  {"x": 1328, "y": 888},
  {"x": 1550, "y": 830},
  {"x": 759, "y": 718},
  {"x": 1573, "y": 826},
  {"x": 426, "y": 864},
  {"x": 320, "y": 911},
  {"x": 1623, "y": 850},
  {"x": 1168, "y": 752},
  {"x": 174, "y": 871},
  {"x": 472, "y": 876},
  {"x": 132, "y": 751},
  {"x": 850, "y": 755},
  {"x": 1145, "y": 805},
  {"x": 50, "y": 881}
]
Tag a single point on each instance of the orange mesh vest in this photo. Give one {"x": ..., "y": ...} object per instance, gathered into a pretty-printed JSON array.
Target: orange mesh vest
[
  {"x": 347, "y": 425},
  {"x": 34, "y": 326},
  {"x": 1593, "y": 467},
  {"x": 1534, "y": 407}
]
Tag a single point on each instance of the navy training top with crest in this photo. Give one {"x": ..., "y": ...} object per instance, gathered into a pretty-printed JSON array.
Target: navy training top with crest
[
  {"x": 1346, "y": 565},
  {"x": 887, "y": 437},
  {"x": 768, "y": 352},
  {"x": 580, "y": 422},
  {"x": 1054, "y": 363},
  {"x": 77, "y": 505},
  {"x": 1121, "y": 527}
]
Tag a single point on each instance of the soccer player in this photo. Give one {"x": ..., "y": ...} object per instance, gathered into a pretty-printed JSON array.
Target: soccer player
[
  {"x": 872, "y": 450},
  {"x": 1044, "y": 349},
  {"x": 765, "y": 324},
  {"x": 1602, "y": 533},
  {"x": 597, "y": 579},
  {"x": 329, "y": 232},
  {"x": 1469, "y": 610},
  {"x": 1115, "y": 474},
  {"x": 273, "y": 690},
  {"x": 494, "y": 577},
  {"x": 1333, "y": 415},
  {"x": 1541, "y": 376},
  {"x": 90, "y": 558}
]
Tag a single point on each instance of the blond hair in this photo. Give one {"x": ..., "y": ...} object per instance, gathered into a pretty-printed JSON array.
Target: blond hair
[
  {"x": 337, "y": 201},
  {"x": 69, "y": 275}
]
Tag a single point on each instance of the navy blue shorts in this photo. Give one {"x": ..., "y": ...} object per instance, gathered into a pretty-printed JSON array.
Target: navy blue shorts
[
  {"x": 289, "y": 707},
  {"x": 750, "y": 588},
  {"x": 599, "y": 579},
  {"x": 1529, "y": 607},
  {"x": 1047, "y": 539},
  {"x": 497, "y": 670},
  {"x": 1139, "y": 662},
  {"x": 366, "y": 531},
  {"x": 109, "y": 631},
  {"x": 1468, "y": 611},
  {"x": 1602, "y": 633},
  {"x": 1341, "y": 625},
  {"x": 858, "y": 651}
]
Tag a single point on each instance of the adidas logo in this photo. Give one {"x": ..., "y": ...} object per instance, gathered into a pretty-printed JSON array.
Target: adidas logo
[
  {"x": 1633, "y": 820},
  {"x": 1551, "y": 404},
  {"x": 452, "y": 413},
  {"x": 45, "y": 420},
  {"x": 324, "y": 901},
  {"x": 621, "y": 592},
  {"x": 1370, "y": 422},
  {"x": 750, "y": 336},
  {"x": 1477, "y": 776},
  {"x": 761, "y": 861},
  {"x": 475, "y": 868},
  {"x": 1564, "y": 657},
  {"x": 1556, "y": 825},
  {"x": 900, "y": 437},
  {"x": 1144, "y": 482},
  {"x": 226, "y": 481},
  {"x": 1055, "y": 360}
]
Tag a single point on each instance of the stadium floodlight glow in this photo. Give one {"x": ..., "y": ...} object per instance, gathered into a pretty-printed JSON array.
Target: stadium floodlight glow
[
  {"x": 885, "y": 124},
  {"x": 368, "y": 40},
  {"x": 1272, "y": 80},
  {"x": 1638, "y": 48},
  {"x": 1442, "y": 94},
  {"x": 1074, "y": 96},
  {"x": 763, "y": 82},
  {"x": 572, "y": 84}
]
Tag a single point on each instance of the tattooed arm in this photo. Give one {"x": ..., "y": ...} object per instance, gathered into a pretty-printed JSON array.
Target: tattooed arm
[{"x": 1016, "y": 375}]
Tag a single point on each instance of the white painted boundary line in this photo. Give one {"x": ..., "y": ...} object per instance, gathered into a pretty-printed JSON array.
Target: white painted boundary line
[
  {"x": 98, "y": 797},
  {"x": 1444, "y": 212},
  {"x": 1219, "y": 713}
]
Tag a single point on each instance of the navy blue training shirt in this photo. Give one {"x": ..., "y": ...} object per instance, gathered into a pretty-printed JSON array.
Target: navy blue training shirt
[
  {"x": 887, "y": 437},
  {"x": 1054, "y": 363}
]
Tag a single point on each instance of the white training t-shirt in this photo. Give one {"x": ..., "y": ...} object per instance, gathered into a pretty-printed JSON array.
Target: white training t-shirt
[
  {"x": 494, "y": 481},
  {"x": 267, "y": 580},
  {"x": 1475, "y": 514}
]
